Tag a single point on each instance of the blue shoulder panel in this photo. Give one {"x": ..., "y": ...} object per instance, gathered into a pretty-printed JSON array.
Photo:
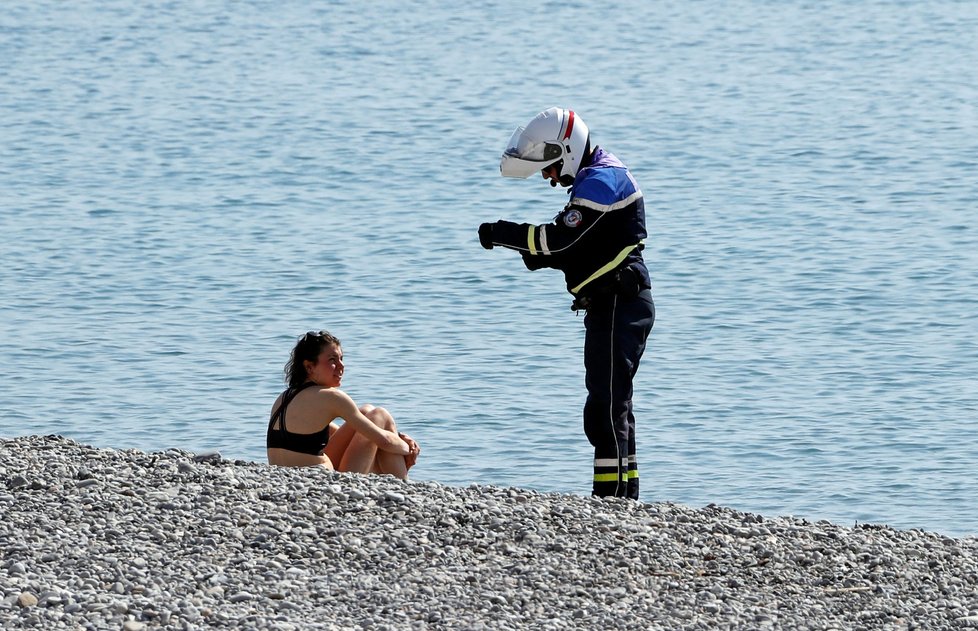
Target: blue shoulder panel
[{"x": 604, "y": 186}]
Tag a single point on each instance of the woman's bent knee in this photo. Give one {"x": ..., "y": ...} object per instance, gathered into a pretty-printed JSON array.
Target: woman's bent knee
[{"x": 381, "y": 418}]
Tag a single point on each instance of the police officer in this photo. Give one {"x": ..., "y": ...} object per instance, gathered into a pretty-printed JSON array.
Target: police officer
[{"x": 597, "y": 242}]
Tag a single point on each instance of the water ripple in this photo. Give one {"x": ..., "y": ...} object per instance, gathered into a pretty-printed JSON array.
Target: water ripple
[{"x": 184, "y": 188}]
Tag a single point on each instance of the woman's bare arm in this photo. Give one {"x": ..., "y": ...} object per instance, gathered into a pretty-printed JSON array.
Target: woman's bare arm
[{"x": 344, "y": 407}]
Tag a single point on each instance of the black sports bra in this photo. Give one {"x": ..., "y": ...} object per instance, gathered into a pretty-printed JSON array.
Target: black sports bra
[{"x": 281, "y": 438}]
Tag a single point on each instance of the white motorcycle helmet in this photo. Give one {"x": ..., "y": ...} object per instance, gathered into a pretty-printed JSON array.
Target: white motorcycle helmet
[{"x": 553, "y": 135}]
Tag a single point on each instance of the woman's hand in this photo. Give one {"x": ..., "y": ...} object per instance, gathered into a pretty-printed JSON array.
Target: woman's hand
[{"x": 413, "y": 450}]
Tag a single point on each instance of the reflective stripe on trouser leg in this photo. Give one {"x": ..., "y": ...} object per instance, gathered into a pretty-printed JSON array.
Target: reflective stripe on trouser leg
[
  {"x": 610, "y": 476},
  {"x": 631, "y": 490},
  {"x": 616, "y": 332},
  {"x": 600, "y": 416}
]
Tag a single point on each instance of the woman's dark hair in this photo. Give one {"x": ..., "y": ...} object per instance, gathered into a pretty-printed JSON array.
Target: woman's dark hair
[{"x": 308, "y": 347}]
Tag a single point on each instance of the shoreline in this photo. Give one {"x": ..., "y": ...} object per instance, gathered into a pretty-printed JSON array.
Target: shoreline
[{"x": 101, "y": 538}]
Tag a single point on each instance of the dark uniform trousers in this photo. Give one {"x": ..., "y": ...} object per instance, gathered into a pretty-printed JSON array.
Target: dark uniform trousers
[{"x": 616, "y": 330}]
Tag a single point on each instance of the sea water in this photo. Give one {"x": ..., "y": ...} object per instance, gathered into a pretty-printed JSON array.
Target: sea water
[{"x": 185, "y": 187}]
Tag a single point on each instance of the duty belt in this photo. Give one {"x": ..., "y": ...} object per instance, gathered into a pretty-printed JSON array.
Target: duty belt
[{"x": 626, "y": 282}]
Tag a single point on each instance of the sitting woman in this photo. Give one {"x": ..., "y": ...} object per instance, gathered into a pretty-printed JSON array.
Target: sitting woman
[{"x": 302, "y": 430}]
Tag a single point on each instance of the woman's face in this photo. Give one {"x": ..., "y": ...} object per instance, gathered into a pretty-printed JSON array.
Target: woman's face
[{"x": 328, "y": 369}]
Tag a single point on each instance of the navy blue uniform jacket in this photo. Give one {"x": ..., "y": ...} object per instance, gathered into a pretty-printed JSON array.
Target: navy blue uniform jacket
[{"x": 599, "y": 231}]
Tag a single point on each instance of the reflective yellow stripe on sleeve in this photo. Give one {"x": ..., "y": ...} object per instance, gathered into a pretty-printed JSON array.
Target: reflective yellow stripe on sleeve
[{"x": 530, "y": 238}]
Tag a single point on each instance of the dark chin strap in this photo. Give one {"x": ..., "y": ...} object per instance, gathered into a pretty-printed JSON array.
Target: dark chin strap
[{"x": 568, "y": 180}]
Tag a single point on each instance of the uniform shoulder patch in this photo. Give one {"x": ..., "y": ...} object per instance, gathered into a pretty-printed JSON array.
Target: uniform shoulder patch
[{"x": 573, "y": 218}]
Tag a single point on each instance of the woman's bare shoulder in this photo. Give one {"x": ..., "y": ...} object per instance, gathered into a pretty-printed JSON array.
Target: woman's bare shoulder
[{"x": 331, "y": 395}]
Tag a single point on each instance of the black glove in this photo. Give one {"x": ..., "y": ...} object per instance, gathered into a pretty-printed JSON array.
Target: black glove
[{"x": 485, "y": 235}]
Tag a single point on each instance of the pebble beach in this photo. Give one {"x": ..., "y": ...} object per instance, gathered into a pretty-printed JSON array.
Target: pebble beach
[{"x": 94, "y": 538}]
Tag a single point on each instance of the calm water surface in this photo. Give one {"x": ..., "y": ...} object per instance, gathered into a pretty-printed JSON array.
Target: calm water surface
[{"x": 186, "y": 186}]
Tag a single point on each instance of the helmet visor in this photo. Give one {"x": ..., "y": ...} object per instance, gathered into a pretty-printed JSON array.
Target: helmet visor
[{"x": 523, "y": 157}]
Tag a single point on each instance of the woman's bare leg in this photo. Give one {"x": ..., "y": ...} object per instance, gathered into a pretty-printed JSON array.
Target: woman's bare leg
[
  {"x": 387, "y": 462},
  {"x": 349, "y": 451},
  {"x": 360, "y": 456},
  {"x": 339, "y": 444}
]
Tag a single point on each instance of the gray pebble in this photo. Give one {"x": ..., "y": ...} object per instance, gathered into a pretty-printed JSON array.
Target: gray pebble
[{"x": 99, "y": 538}]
